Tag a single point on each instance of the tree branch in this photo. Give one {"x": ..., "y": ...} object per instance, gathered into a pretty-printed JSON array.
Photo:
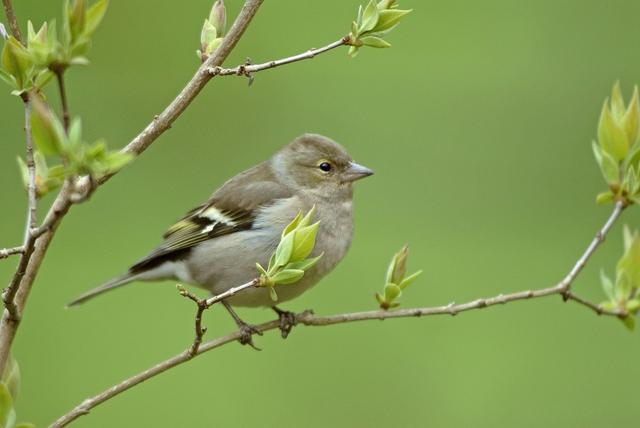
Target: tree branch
[
  {"x": 248, "y": 69},
  {"x": 9, "y": 293},
  {"x": 6, "y": 252},
  {"x": 13, "y": 23},
  {"x": 80, "y": 189},
  {"x": 307, "y": 318}
]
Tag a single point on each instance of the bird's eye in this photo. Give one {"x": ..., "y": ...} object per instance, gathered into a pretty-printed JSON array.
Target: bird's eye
[{"x": 325, "y": 166}]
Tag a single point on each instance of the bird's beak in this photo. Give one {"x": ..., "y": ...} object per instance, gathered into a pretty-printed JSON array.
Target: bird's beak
[{"x": 356, "y": 172}]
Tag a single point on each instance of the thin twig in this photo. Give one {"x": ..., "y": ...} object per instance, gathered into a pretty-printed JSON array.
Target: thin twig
[
  {"x": 6, "y": 252},
  {"x": 63, "y": 98},
  {"x": 13, "y": 23},
  {"x": 249, "y": 69},
  {"x": 8, "y": 295},
  {"x": 204, "y": 304},
  {"x": 309, "y": 319}
]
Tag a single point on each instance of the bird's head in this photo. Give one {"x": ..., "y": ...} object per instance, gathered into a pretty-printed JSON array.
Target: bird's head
[{"x": 319, "y": 165}]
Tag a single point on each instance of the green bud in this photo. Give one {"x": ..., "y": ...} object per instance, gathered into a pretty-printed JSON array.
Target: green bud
[
  {"x": 218, "y": 17},
  {"x": 611, "y": 135},
  {"x": 76, "y": 15},
  {"x": 369, "y": 17},
  {"x": 388, "y": 19},
  {"x": 16, "y": 61},
  {"x": 391, "y": 292},
  {"x": 304, "y": 239},
  {"x": 94, "y": 16},
  {"x": 629, "y": 265},
  {"x": 7, "y": 413},
  {"x": 283, "y": 252},
  {"x": 48, "y": 133},
  {"x": 398, "y": 266}
]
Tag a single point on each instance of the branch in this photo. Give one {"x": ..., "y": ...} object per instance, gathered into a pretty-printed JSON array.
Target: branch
[
  {"x": 6, "y": 252},
  {"x": 248, "y": 69},
  {"x": 22, "y": 283},
  {"x": 59, "y": 72},
  {"x": 307, "y": 318},
  {"x": 27, "y": 248},
  {"x": 13, "y": 23}
]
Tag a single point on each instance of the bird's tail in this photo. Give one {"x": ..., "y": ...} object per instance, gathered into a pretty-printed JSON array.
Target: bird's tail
[{"x": 114, "y": 283}]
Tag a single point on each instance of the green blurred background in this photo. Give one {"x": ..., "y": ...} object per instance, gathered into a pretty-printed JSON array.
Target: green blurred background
[{"x": 478, "y": 123}]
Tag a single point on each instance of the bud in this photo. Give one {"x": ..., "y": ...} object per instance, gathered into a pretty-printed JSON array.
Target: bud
[
  {"x": 618, "y": 125},
  {"x": 386, "y": 4},
  {"x": 218, "y": 17},
  {"x": 76, "y": 18},
  {"x": 398, "y": 266},
  {"x": 629, "y": 264}
]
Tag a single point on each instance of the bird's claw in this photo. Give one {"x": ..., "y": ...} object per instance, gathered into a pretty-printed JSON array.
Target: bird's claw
[
  {"x": 246, "y": 335},
  {"x": 287, "y": 321}
]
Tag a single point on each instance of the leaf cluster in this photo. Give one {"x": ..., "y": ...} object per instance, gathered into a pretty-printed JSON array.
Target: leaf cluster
[
  {"x": 396, "y": 280},
  {"x": 617, "y": 150},
  {"x": 290, "y": 261},
  {"x": 372, "y": 23}
]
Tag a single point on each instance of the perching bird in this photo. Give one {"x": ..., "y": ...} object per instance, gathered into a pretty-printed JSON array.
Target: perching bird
[{"x": 216, "y": 245}]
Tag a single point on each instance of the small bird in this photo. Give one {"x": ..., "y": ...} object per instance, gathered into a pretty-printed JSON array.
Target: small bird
[{"x": 216, "y": 245}]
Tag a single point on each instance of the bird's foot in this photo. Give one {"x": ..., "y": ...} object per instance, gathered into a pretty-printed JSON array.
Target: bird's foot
[
  {"x": 246, "y": 334},
  {"x": 287, "y": 321}
]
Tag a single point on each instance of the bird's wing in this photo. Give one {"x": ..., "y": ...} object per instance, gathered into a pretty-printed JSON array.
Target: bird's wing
[{"x": 232, "y": 208}]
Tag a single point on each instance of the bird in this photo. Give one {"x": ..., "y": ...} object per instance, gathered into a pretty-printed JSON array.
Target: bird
[{"x": 216, "y": 245}]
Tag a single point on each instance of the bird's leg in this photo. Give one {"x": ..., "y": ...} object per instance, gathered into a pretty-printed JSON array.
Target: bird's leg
[
  {"x": 247, "y": 330},
  {"x": 287, "y": 321}
]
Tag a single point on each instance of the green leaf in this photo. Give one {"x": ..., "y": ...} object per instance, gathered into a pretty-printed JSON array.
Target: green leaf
[
  {"x": 6, "y": 407},
  {"x": 607, "y": 286},
  {"x": 76, "y": 18},
  {"x": 629, "y": 265},
  {"x": 605, "y": 197},
  {"x": 283, "y": 252},
  {"x": 306, "y": 220},
  {"x": 208, "y": 33},
  {"x": 273, "y": 294},
  {"x": 631, "y": 118},
  {"x": 391, "y": 292},
  {"x": 388, "y": 19},
  {"x": 24, "y": 172},
  {"x": 409, "y": 280},
  {"x": 629, "y": 322},
  {"x": 261, "y": 269},
  {"x": 294, "y": 223},
  {"x": 287, "y": 276},
  {"x": 11, "y": 377},
  {"x": 633, "y": 305},
  {"x": 617, "y": 101},
  {"x": 369, "y": 17},
  {"x": 611, "y": 136},
  {"x": 375, "y": 42},
  {"x": 46, "y": 129},
  {"x": 94, "y": 16},
  {"x": 608, "y": 166},
  {"x": 115, "y": 161},
  {"x": 304, "y": 239},
  {"x": 16, "y": 61},
  {"x": 8, "y": 79},
  {"x": 43, "y": 77},
  {"x": 304, "y": 265}
]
